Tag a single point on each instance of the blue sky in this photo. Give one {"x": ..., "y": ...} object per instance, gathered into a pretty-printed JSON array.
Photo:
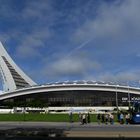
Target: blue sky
[{"x": 58, "y": 40}]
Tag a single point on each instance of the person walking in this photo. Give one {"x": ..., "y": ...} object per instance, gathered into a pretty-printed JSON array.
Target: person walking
[
  {"x": 84, "y": 118},
  {"x": 127, "y": 118},
  {"x": 103, "y": 118},
  {"x": 121, "y": 118},
  {"x": 118, "y": 117},
  {"x": 106, "y": 118},
  {"x": 111, "y": 118},
  {"x": 88, "y": 118},
  {"x": 80, "y": 117},
  {"x": 70, "y": 117},
  {"x": 98, "y": 118}
]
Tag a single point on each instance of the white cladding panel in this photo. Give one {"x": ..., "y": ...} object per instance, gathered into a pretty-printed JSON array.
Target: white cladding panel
[{"x": 8, "y": 81}]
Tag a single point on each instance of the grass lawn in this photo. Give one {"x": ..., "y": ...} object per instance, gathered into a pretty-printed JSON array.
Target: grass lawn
[{"x": 42, "y": 117}]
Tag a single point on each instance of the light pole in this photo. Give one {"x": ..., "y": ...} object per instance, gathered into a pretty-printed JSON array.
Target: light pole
[
  {"x": 128, "y": 96},
  {"x": 116, "y": 98}
]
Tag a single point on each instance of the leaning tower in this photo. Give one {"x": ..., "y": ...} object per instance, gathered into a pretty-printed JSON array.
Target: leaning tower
[{"x": 12, "y": 76}]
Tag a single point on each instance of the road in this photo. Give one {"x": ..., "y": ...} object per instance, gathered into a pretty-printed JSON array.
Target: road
[{"x": 74, "y": 129}]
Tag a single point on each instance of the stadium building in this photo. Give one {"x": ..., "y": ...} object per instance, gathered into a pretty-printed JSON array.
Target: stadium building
[{"x": 21, "y": 91}]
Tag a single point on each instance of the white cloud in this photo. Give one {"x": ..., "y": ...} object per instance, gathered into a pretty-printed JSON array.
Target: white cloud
[
  {"x": 1, "y": 91},
  {"x": 31, "y": 43},
  {"x": 36, "y": 9},
  {"x": 72, "y": 66},
  {"x": 4, "y": 37},
  {"x": 31, "y": 30},
  {"x": 36, "y": 23},
  {"x": 113, "y": 22},
  {"x": 121, "y": 77}
]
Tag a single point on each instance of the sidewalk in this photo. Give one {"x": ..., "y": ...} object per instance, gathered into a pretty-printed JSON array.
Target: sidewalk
[{"x": 66, "y": 129}]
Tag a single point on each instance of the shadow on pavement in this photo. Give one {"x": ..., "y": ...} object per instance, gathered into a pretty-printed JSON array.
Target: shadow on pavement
[{"x": 46, "y": 133}]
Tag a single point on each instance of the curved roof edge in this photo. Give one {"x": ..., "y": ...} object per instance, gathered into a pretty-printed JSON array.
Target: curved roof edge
[{"x": 51, "y": 88}]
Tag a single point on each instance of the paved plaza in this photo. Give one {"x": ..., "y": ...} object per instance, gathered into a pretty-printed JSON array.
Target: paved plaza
[{"x": 74, "y": 129}]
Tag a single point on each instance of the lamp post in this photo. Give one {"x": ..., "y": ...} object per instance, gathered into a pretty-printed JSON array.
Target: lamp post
[
  {"x": 116, "y": 98},
  {"x": 128, "y": 96}
]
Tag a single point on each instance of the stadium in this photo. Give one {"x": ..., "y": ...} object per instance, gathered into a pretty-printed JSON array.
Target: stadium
[{"x": 19, "y": 90}]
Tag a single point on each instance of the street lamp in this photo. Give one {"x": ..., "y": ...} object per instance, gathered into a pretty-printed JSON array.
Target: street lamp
[
  {"x": 116, "y": 98},
  {"x": 128, "y": 96}
]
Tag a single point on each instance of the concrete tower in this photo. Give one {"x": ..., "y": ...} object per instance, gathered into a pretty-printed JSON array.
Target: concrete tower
[{"x": 12, "y": 76}]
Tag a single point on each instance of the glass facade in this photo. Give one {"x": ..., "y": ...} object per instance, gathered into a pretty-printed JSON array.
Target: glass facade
[{"x": 74, "y": 98}]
